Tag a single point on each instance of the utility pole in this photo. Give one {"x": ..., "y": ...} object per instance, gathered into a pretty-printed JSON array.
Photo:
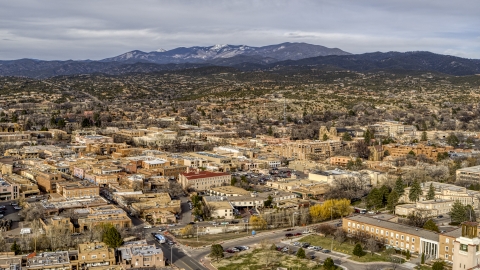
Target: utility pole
[{"x": 197, "y": 232}]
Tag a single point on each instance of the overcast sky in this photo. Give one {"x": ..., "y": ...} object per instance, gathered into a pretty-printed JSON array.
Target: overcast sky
[{"x": 96, "y": 29}]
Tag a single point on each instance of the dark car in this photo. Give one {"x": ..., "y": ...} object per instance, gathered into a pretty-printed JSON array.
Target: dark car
[
  {"x": 312, "y": 257},
  {"x": 440, "y": 216},
  {"x": 279, "y": 248},
  {"x": 289, "y": 229},
  {"x": 288, "y": 235},
  {"x": 298, "y": 233},
  {"x": 326, "y": 251},
  {"x": 305, "y": 245},
  {"x": 191, "y": 223},
  {"x": 229, "y": 251}
]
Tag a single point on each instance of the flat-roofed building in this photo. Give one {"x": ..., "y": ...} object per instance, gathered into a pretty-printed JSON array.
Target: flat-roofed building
[
  {"x": 89, "y": 218},
  {"x": 139, "y": 254},
  {"x": 445, "y": 191},
  {"x": 47, "y": 181},
  {"x": 58, "y": 260},
  {"x": 94, "y": 254},
  {"x": 228, "y": 191},
  {"x": 10, "y": 261},
  {"x": 394, "y": 235},
  {"x": 204, "y": 180},
  {"x": 428, "y": 208},
  {"x": 219, "y": 207},
  {"x": 71, "y": 190},
  {"x": 469, "y": 174},
  {"x": 8, "y": 191},
  {"x": 447, "y": 244}
]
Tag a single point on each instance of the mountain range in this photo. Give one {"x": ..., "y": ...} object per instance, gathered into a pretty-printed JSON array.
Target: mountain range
[{"x": 245, "y": 58}]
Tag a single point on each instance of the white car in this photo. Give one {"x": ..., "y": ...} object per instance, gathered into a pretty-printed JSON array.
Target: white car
[
  {"x": 147, "y": 227},
  {"x": 17, "y": 208}
]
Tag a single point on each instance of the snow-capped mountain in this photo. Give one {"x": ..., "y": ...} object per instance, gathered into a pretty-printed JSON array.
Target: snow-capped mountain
[{"x": 197, "y": 54}]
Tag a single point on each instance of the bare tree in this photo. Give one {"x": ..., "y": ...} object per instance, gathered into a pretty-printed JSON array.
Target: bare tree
[
  {"x": 372, "y": 245},
  {"x": 340, "y": 235}
]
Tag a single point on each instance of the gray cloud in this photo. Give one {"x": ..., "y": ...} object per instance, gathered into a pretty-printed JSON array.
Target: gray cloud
[{"x": 92, "y": 29}]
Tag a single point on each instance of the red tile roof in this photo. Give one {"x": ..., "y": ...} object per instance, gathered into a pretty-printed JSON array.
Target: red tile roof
[{"x": 202, "y": 174}]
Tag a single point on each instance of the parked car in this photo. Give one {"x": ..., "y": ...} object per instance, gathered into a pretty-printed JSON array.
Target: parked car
[
  {"x": 289, "y": 229},
  {"x": 191, "y": 223},
  {"x": 305, "y": 245},
  {"x": 326, "y": 251},
  {"x": 171, "y": 243},
  {"x": 147, "y": 227},
  {"x": 171, "y": 225},
  {"x": 311, "y": 247},
  {"x": 318, "y": 248},
  {"x": 288, "y": 235},
  {"x": 312, "y": 257},
  {"x": 440, "y": 216},
  {"x": 229, "y": 251},
  {"x": 17, "y": 208},
  {"x": 297, "y": 234},
  {"x": 285, "y": 249},
  {"x": 296, "y": 243}
]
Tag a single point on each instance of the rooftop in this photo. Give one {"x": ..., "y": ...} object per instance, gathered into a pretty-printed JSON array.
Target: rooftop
[{"x": 202, "y": 174}]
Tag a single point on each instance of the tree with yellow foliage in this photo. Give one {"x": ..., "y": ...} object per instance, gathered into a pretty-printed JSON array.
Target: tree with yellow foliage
[
  {"x": 331, "y": 209},
  {"x": 257, "y": 222},
  {"x": 187, "y": 230}
]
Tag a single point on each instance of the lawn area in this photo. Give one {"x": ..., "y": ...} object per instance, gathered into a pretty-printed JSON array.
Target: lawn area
[
  {"x": 264, "y": 259},
  {"x": 423, "y": 267},
  {"x": 205, "y": 240},
  {"x": 346, "y": 248}
]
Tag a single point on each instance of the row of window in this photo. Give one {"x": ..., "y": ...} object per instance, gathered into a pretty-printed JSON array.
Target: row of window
[{"x": 387, "y": 233}]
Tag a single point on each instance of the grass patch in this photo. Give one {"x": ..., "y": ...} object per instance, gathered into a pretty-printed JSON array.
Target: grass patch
[
  {"x": 346, "y": 248},
  {"x": 254, "y": 259},
  {"x": 422, "y": 267}
]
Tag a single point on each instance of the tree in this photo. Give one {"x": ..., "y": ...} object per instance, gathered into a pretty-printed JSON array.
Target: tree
[
  {"x": 346, "y": 136},
  {"x": 415, "y": 191},
  {"x": 458, "y": 213},
  {"x": 16, "y": 248},
  {"x": 438, "y": 265},
  {"x": 111, "y": 237},
  {"x": 268, "y": 201},
  {"x": 431, "y": 192},
  {"x": 368, "y": 136},
  {"x": 362, "y": 149},
  {"x": 301, "y": 253},
  {"x": 325, "y": 137},
  {"x": 187, "y": 230},
  {"x": 423, "y": 258},
  {"x": 328, "y": 264},
  {"x": 257, "y": 222},
  {"x": 216, "y": 251},
  {"x": 372, "y": 245},
  {"x": 424, "y": 136},
  {"x": 470, "y": 213},
  {"x": 358, "y": 250},
  {"x": 392, "y": 200},
  {"x": 273, "y": 247},
  {"x": 408, "y": 255},
  {"x": 233, "y": 181},
  {"x": 452, "y": 140},
  {"x": 374, "y": 199},
  {"x": 399, "y": 186},
  {"x": 430, "y": 225},
  {"x": 340, "y": 235}
]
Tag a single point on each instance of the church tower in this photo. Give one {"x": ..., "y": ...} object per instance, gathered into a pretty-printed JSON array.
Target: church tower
[{"x": 466, "y": 253}]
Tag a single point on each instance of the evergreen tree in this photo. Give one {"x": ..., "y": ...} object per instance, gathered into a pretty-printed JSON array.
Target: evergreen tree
[
  {"x": 368, "y": 136},
  {"x": 325, "y": 137},
  {"x": 415, "y": 191},
  {"x": 233, "y": 181},
  {"x": 346, "y": 136},
  {"x": 358, "y": 250},
  {"x": 399, "y": 187},
  {"x": 431, "y": 192},
  {"x": 15, "y": 248},
  {"x": 458, "y": 213},
  {"x": 423, "y": 258},
  {"x": 301, "y": 253},
  {"x": 374, "y": 198},
  {"x": 470, "y": 213},
  {"x": 408, "y": 255},
  {"x": 392, "y": 200},
  {"x": 216, "y": 251},
  {"x": 328, "y": 264},
  {"x": 452, "y": 140},
  {"x": 385, "y": 191},
  {"x": 112, "y": 237},
  {"x": 430, "y": 225},
  {"x": 424, "y": 136},
  {"x": 438, "y": 265}
]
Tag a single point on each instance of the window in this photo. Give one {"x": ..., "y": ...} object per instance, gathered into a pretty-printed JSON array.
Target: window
[
  {"x": 391, "y": 242},
  {"x": 368, "y": 228},
  {"x": 407, "y": 246},
  {"x": 447, "y": 240},
  {"x": 94, "y": 256},
  {"x": 386, "y": 233},
  {"x": 371, "y": 230},
  {"x": 413, "y": 239},
  {"x": 377, "y": 231},
  {"x": 396, "y": 243},
  {"x": 446, "y": 248},
  {"x": 396, "y": 235},
  {"x": 463, "y": 247},
  {"x": 363, "y": 227},
  {"x": 401, "y": 237},
  {"x": 408, "y": 238},
  {"x": 381, "y": 232},
  {"x": 446, "y": 256},
  {"x": 83, "y": 257},
  {"x": 358, "y": 226},
  {"x": 349, "y": 230},
  {"x": 401, "y": 244}
]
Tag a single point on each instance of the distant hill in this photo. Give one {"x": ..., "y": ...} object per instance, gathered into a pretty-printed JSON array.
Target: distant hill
[{"x": 285, "y": 56}]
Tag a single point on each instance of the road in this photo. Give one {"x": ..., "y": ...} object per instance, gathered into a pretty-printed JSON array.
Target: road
[{"x": 176, "y": 255}]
